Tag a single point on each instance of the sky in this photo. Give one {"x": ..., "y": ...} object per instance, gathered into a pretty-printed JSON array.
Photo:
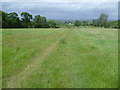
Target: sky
[{"x": 64, "y": 9}]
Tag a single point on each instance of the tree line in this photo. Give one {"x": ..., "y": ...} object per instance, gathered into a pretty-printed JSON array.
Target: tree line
[
  {"x": 12, "y": 20},
  {"x": 102, "y": 21},
  {"x": 26, "y": 20}
]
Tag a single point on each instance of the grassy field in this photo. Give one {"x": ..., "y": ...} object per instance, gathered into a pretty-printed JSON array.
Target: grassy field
[
  {"x": 60, "y": 58},
  {"x": 0, "y": 58}
]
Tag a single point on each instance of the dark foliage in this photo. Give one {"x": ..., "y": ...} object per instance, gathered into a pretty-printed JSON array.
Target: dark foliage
[{"x": 11, "y": 20}]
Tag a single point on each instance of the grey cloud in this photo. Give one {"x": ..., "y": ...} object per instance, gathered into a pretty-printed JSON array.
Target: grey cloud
[{"x": 64, "y": 10}]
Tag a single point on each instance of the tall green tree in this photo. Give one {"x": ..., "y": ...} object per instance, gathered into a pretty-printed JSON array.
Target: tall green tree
[
  {"x": 37, "y": 21},
  {"x": 13, "y": 20},
  {"x": 103, "y": 20},
  {"x": 0, "y": 19},
  {"x": 95, "y": 22},
  {"x": 77, "y": 23},
  {"x": 114, "y": 24},
  {"x": 118, "y": 24},
  {"x": 85, "y": 23},
  {"x": 4, "y": 19},
  {"x": 40, "y": 22},
  {"x": 26, "y": 19},
  {"x": 52, "y": 23},
  {"x": 44, "y": 22}
]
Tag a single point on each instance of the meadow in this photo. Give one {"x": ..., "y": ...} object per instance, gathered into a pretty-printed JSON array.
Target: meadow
[{"x": 60, "y": 58}]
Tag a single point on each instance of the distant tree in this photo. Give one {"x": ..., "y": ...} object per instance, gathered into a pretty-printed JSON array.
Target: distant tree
[
  {"x": 95, "y": 22},
  {"x": 0, "y": 19},
  {"x": 26, "y": 19},
  {"x": 4, "y": 19},
  {"x": 118, "y": 24},
  {"x": 31, "y": 24},
  {"x": 85, "y": 23},
  {"x": 40, "y": 22},
  {"x": 44, "y": 22},
  {"x": 13, "y": 20},
  {"x": 52, "y": 23},
  {"x": 37, "y": 21},
  {"x": 77, "y": 23},
  {"x": 114, "y": 24},
  {"x": 102, "y": 20},
  {"x": 108, "y": 24}
]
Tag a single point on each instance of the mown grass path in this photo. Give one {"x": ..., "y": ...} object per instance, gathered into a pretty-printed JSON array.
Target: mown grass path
[{"x": 15, "y": 81}]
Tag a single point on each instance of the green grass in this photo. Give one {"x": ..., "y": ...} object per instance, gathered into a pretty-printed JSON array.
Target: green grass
[
  {"x": 60, "y": 58},
  {"x": 0, "y": 59}
]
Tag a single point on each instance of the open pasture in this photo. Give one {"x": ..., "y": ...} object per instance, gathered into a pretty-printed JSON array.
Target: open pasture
[{"x": 60, "y": 58}]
